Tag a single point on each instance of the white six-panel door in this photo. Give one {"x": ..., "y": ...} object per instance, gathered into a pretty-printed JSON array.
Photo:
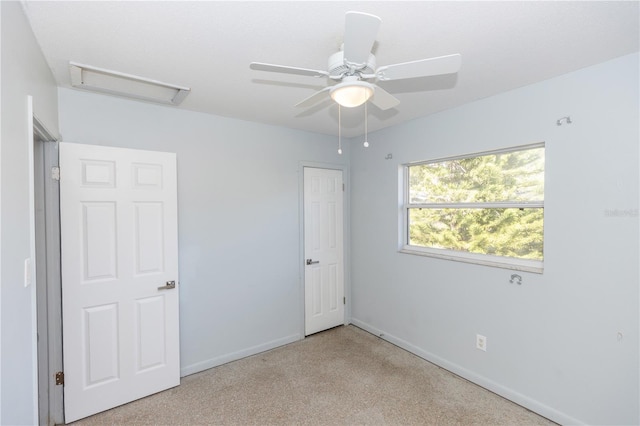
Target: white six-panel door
[
  {"x": 118, "y": 216},
  {"x": 323, "y": 241}
]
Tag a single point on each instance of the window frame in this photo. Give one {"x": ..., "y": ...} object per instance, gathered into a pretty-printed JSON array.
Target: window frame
[{"x": 519, "y": 264}]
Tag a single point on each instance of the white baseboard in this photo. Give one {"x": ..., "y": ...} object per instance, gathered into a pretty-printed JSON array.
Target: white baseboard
[
  {"x": 510, "y": 394},
  {"x": 223, "y": 359}
]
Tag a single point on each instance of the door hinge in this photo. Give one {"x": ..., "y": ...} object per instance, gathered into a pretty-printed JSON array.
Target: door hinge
[
  {"x": 60, "y": 378},
  {"x": 344, "y": 300},
  {"x": 55, "y": 173},
  {"x": 343, "y": 187}
]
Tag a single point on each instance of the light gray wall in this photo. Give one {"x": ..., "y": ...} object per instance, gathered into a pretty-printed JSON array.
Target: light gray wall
[
  {"x": 238, "y": 208},
  {"x": 24, "y": 72},
  {"x": 552, "y": 342}
]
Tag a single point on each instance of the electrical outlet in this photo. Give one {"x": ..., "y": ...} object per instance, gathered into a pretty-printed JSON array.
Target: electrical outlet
[{"x": 481, "y": 342}]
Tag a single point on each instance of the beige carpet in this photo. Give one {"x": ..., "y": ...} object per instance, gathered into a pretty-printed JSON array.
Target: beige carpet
[{"x": 343, "y": 376}]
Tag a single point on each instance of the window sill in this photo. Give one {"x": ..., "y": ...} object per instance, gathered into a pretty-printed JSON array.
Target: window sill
[{"x": 524, "y": 265}]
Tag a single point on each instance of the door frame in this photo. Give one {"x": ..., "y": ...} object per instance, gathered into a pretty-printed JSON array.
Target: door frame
[
  {"x": 48, "y": 284},
  {"x": 346, "y": 240}
]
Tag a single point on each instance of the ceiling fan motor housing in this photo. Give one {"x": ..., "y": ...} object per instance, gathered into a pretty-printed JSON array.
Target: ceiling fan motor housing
[{"x": 339, "y": 67}]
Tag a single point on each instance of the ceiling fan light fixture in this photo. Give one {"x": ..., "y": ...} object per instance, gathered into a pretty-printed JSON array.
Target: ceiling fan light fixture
[
  {"x": 352, "y": 93},
  {"x": 355, "y": 64}
]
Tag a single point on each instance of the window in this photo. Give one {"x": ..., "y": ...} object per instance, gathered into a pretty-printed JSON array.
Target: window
[{"x": 483, "y": 208}]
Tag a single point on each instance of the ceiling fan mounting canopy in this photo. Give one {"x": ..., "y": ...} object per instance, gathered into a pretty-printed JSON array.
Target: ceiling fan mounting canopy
[
  {"x": 355, "y": 63},
  {"x": 339, "y": 67}
]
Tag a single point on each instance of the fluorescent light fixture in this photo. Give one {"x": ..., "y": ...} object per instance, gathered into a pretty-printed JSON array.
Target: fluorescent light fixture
[
  {"x": 352, "y": 93},
  {"x": 96, "y": 79}
]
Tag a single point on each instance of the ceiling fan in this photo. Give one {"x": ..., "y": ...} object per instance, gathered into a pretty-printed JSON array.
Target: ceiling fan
[{"x": 355, "y": 64}]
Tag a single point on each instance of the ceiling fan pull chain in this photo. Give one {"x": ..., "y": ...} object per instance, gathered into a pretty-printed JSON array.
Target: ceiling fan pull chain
[
  {"x": 366, "y": 127},
  {"x": 339, "y": 132}
]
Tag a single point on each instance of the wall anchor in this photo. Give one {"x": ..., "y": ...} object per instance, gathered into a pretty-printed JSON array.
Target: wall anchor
[{"x": 563, "y": 120}]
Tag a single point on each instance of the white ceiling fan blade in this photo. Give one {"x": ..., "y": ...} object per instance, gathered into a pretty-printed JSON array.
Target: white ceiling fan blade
[
  {"x": 383, "y": 99},
  {"x": 315, "y": 98},
  {"x": 360, "y": 33},
  {"x": 422, "y": 68},
  {"x": 260, "y": 66}
]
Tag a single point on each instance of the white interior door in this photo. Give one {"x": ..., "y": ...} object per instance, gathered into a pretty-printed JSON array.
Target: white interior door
[
  {"x": 118, "y": 216},
  {"x": 323, "y": 248}
]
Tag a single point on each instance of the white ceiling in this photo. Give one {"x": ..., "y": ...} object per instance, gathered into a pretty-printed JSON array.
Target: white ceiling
[{"x": 208, "y": 45}]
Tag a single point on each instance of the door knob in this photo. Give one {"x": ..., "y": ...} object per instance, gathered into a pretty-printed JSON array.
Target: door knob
[
  {"x": 168, "y": 286},
  {"x": 312, "y": 262}
]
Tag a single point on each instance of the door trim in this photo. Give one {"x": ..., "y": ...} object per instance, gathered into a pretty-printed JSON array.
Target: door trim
[
  {"x": 346, "y": 240},
  {"x": 47, "y": 283}
]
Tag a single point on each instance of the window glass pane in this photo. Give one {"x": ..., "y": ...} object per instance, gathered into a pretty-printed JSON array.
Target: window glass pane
[
  {"x": 511, "y": 232},
  {"x": 509, "y": 176}
]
